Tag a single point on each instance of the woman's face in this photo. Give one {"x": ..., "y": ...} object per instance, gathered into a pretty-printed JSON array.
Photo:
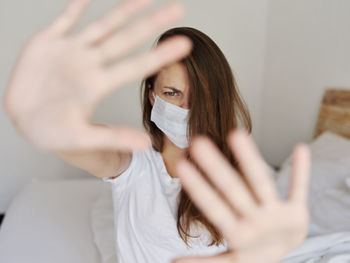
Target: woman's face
[{"x": 172, "y": 85}]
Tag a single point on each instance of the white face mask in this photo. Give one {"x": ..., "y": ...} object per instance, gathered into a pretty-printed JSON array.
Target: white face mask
[{"x": 172, "y": 120}]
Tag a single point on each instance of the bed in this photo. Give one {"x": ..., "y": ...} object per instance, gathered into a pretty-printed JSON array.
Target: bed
[
  {"x": 72, "y": 220},
  {"x": 329, "y": 191}
]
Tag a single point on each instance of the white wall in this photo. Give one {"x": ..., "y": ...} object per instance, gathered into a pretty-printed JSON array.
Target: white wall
[
  {"x": 237, "y": 26},
  {"x": 307, "y": 50}
]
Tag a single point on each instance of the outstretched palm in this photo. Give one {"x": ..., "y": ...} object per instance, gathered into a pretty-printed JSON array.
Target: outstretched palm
[
  {"x": 257, "y": 225},
  {"x": 59, "y": 79}
]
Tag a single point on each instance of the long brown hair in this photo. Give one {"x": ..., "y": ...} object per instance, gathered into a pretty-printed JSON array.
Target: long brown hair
[{"x": 216, "y": 108}]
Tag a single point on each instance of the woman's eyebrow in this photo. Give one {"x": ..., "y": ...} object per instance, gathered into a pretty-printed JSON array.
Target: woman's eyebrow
[{"x": 172, "y": 88}]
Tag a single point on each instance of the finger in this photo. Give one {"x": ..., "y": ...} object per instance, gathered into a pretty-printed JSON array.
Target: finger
[
  {"x": 222, "y": 175},
  {"x": 112, "y": 21},
  {"x": 131, "y": 37},
  {"x": 169, "y": 51},
  {"x": 206, "y": 198},
  {"x": 69, "y": 17},
  {"x": 121, "y": 138},
  {"x": 300, "y": 174},
  {"x": 253, "y": 166},
  {"x": 221, "y": 258}
]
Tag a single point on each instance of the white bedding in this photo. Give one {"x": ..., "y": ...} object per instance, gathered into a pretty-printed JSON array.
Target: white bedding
[
  {"x": 49, "y": 222},
  {"x": 329, "y": 248}
]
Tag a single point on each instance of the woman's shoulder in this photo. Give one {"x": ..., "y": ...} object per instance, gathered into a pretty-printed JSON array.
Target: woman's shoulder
[
  {"x": 136, "y": 164},
  {"x": 140, "y": 158},
  {"x": 149, "y": 155}
]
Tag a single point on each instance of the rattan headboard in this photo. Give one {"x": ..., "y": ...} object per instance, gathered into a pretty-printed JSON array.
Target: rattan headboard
[{"x": 334, "y": 114}]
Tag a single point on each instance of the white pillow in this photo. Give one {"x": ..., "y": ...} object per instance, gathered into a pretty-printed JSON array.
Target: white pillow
[
  {"x": 102, "y": 222},
  {"x": 48, "y": 221},
  {"x": 329, "y": 188},
  {"x": 328, "y": 146}
]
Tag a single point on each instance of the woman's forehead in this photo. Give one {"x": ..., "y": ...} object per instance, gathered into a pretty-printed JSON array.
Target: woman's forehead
[{"x": 174, "y": 75}]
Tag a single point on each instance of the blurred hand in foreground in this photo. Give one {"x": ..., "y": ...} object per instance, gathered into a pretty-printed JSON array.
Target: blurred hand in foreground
[
  {"x": 59, "y": 78},
  {"x": 256, "y": 224}
]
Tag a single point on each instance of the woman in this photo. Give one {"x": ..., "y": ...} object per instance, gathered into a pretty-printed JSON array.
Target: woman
[
  {"x": 213, "y": 108},
  {"x": 64, "y": 77}
]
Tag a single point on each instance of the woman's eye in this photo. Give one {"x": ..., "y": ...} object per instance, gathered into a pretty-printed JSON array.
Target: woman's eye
[{"x": 171, "y": 93}]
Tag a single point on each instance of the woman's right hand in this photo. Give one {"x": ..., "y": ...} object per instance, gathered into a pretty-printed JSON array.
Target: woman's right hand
[{"x": 59, "y": 79}]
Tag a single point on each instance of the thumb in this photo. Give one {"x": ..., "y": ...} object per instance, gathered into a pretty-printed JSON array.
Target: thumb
[{"x": 123, "y": 138}]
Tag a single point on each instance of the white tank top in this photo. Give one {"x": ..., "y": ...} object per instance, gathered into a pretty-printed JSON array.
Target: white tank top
[{"x": 145, "y": 201}]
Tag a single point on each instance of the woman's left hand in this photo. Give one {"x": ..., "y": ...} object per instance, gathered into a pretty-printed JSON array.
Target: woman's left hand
[{"x": 257, "y": 225}]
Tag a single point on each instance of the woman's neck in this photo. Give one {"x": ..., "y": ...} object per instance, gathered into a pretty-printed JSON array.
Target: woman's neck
[{"x": 171, "y": 155}]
